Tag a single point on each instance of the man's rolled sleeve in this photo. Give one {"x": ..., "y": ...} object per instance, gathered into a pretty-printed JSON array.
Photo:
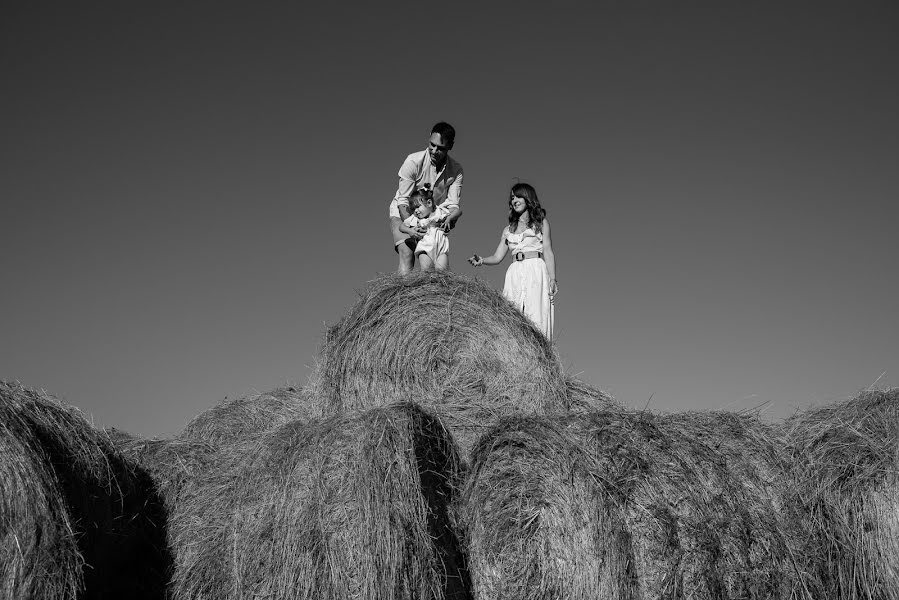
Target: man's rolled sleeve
[
  {"x": 454, "y": 194},
  {"x": 407, "y": 182}
]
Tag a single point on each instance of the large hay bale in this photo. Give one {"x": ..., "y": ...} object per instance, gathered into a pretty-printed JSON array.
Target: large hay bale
[
  {"x": 445, "y": 341},
  {"x": 846, "y": 478},
  {"x": 38, "y": 554},
  {"x": 626, "y": 505},
  {"x": 234, "y": 419},
  {"x": 352, "y": 506},
  {"x": 77, "y": 519},
  {"x": 533, "y": 519}
]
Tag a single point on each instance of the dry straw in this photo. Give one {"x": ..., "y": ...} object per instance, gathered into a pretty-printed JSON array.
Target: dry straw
[
  {"x": 352, "y": 506},
  {"x": 234, "y": 419},
  {"x": 77, "y": 519},
  {"x": 847, "y": 485},
  {"x": 583, "y": 397},
  {"x": 444, "y": 341},
  {"x": 171, "y": 463},
  {"x": 621, "y": 505}
]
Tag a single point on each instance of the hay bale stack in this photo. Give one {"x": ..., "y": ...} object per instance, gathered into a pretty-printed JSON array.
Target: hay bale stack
[
  {"x": 444, "y": 341},
  {"x": 353, "y": 506},
  {"x": 620, "y": 504},
  {"x": 77, "y": 519},
  {"x": 846, "y": 478},
  {"x": 238, "y": 418}
]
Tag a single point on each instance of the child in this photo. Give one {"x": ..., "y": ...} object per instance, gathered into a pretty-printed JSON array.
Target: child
[
  {"x": 432, "y": 249},
  {"x": 531, "y": 278}
]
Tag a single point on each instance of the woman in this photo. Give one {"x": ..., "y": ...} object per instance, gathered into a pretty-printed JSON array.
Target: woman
[{"x": 531, "y": 278}]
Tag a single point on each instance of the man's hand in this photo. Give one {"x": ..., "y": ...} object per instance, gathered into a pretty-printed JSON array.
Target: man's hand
[
  {"x": 451, "y": 219},
  {"x": 413, "y": 232}
]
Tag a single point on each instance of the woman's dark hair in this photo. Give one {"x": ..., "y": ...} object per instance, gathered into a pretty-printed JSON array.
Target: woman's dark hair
[{"x": 536, "y": 213}]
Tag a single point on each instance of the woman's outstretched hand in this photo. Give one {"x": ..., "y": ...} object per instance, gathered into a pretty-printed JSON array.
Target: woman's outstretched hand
[{"x": 475, "y": 260}]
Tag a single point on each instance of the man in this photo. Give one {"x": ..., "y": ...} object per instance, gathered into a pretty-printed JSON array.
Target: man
[{"x": 432, "y": 169}]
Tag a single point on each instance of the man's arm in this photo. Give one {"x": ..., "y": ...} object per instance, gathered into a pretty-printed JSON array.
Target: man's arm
[
  {"x": 407, "y": 175},
  {"x": 450, "y": 218},
  {"x": 452, "y": 204}
]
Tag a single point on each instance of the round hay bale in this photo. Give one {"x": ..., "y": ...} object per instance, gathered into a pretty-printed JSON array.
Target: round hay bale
[
  {"x": 536, "y": 522},
  {"x": 353, "y": 506},
  {"x": 846, "y": 479},
  {"x": 78, "y": 520},
  {"x": 444, "y": 341},
  {"x": 237, "y": 418},
  {"x": 623, "y": 504},
  {"x": 38, "y": 554},
  {"x": 758, "y": 537}
]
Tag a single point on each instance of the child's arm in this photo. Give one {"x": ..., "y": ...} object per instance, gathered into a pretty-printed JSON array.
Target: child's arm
[
  {"x": 549, "y": 258},
  {"x": 497, "y": 257}
]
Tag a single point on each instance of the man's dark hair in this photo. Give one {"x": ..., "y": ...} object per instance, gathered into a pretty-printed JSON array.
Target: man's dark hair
[{"x": 446, "y": 131}]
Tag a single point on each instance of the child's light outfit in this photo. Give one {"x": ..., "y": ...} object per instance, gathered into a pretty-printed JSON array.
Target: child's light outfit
[
  {"x": 527, "y": 279},
  {"x": 434, "y": 243}
]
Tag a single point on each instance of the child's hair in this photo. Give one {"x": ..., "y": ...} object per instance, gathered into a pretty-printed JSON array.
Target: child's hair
[
  {"x": 532, "y": 205},
  {"x": 421, "y": 196}
]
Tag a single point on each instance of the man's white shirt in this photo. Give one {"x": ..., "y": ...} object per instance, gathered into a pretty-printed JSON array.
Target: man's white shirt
[{"x": 418, "y": 170}]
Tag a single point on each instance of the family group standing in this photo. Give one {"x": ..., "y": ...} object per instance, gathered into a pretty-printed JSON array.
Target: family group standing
[{"x": 427, "y": 206}]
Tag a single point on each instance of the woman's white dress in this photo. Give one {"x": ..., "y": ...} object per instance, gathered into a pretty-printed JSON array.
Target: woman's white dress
[{"x": 527, "y": 283}]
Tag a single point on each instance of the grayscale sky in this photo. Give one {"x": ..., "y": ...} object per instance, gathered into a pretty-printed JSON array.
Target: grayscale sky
[{"x": 191, "y": 191}]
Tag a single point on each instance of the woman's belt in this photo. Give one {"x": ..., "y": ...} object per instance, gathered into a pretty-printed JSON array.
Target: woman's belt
[{"x": 525, "y": 255}]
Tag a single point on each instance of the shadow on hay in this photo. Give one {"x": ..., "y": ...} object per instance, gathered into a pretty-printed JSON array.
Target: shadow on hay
[
  {"x": 112, "y": 510},
  {"x": 439, "y": 492}
]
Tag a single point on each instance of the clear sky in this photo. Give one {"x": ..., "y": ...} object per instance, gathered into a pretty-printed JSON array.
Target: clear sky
[{"x": 191, "y": 191}]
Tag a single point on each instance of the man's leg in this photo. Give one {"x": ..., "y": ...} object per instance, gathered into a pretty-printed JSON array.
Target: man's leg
[
  {"x": 407, "y": 258},
  {"x": 443, "y": 262},
  {"x": 402, "y": 246}
]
